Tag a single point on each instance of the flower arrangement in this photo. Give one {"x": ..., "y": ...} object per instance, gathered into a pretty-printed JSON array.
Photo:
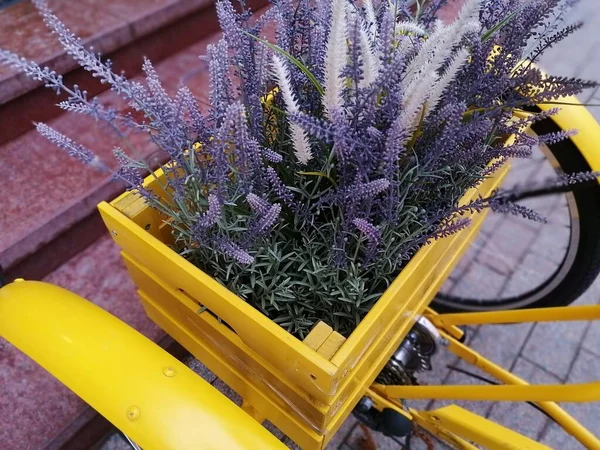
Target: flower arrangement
[{"x": 329, "y": 158}]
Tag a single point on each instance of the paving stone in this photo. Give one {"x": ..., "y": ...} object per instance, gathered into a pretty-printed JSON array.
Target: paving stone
[
  {"x": 200, "y": 369},
  {"x": 570, "y": 57},
  {"x": 274, "y": 430},
  {"x": 291, "y": 444},
  {"x": 491, "y": 222},
  {"x": 556, "y": 438},
  {"x": 478, "y": 282},
  {"x": 344, "y": 431},
  {"x": 501, "y": 343},
  {"x": 510, "y": 239},
  {"x": 592, "y": 338},
  {"x": 553, "y": 237},
  {"x": 586, "y": 368},
  {"x": 115, "y": 442},
  {"x": 553, "y": 345},
  {"x": 533, "y": 270},
  {"x": 227, "y": 391},
  {"x": 519, "y": 416}
]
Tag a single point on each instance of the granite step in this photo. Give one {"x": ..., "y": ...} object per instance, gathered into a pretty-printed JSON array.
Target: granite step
[
  {"x": 49, "y": 199},
  {"x": 126, "y": 30}
]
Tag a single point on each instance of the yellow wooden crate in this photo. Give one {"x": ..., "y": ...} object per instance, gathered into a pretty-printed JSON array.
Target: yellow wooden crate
[{"x": 306, "y": 389}]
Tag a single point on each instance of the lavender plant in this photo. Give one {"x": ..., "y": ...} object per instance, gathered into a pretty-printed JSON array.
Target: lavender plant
[{"x": 327, "y": 159}]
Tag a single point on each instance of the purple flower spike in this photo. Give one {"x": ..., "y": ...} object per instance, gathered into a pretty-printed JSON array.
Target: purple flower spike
[
  {"x": 212, "y": 214},
  {"x": 269, "y": 219},
  {"x": 74, "y": 149},
  {"x": 283, "y": 192},
  {"x": 235, "y": 251},
  {"x": 369, "y": 230},
  {"x": 371, "y": 189},
  {"x": 272, "y": 156},
  {"x": 257, "y": 204}
]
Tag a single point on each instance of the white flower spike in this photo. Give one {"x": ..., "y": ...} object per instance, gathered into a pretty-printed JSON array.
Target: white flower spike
[
  {"x": 335, "y": 57},
  {"x": 299, "y": 136}
]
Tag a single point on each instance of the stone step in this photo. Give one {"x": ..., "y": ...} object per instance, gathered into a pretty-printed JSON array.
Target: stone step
[
  {"x": 46, "y": 193},
  {"x": 126, "y": 30}
]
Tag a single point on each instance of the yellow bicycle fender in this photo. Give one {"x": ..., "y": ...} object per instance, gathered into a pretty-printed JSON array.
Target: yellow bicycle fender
[
  {"x": 143, "y": 390},
  {"x": 576, "y": 116}
]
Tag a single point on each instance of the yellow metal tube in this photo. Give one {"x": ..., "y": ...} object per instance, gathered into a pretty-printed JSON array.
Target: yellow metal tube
[
  {"x": 145, "y": 392},
  {"x": 561, "y": 313},
  {"x": 583, "y": 392}
]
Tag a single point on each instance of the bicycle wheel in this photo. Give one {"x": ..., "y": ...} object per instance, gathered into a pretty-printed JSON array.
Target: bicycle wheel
[{"x": 516, "y": 264}]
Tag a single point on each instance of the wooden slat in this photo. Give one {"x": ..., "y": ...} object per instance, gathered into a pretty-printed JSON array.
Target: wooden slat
[
  {"x": 331, "y": 345},
  {"x": 318, "y": 335}
]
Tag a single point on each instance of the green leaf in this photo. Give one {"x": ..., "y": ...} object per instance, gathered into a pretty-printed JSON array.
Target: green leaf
[
  {"x": 319, "y": 174},
  {"x": 299, "y": 64},
  {"x": 489, "y": 33}
]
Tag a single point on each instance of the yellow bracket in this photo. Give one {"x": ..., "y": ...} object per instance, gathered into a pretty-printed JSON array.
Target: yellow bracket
[{"x": 468, "y": 425}]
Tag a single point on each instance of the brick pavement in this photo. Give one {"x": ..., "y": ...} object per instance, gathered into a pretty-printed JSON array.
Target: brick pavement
[{"x": 540, "y": 353}]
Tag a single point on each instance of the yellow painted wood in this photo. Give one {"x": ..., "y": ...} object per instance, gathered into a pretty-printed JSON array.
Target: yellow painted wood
[
  {"x": 331, "y": 345},
  {"x": 134, "y": 207},
  {"x": 320, "y": 391},
  {"x": 183, "y": 310},
  {"x": 319, "y": 334},
  {"x": 301, "y": 365},
  {"x": 143, "y": 390}
]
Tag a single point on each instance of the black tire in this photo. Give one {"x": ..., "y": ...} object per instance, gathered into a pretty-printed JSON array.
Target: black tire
[{"x": 583, "y": 268}]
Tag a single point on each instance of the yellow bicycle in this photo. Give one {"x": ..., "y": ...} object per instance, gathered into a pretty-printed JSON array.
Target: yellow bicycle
[{"x": 306, "y": 388}]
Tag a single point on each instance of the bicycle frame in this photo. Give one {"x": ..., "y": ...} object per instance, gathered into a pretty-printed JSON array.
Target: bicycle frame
[{"x": 463, "y": 423}]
